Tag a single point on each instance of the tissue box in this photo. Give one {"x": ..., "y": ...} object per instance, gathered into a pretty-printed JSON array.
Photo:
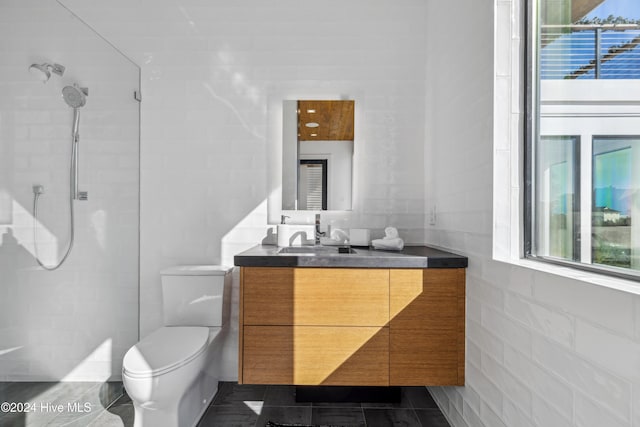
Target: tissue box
[{"x": 359, "y": 236}]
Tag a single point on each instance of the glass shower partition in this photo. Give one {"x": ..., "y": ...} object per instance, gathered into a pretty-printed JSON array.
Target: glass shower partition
[{"x": 75, "y": 323}]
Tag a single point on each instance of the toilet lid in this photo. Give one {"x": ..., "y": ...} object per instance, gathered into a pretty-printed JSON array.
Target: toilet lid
[{"x": 165, "y": 350}]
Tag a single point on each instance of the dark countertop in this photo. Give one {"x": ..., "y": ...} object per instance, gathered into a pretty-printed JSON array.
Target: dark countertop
[{"x": 409, "y": 257}]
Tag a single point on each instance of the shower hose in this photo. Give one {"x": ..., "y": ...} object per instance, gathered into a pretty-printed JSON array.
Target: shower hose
[{"x": 37, "y": 191}]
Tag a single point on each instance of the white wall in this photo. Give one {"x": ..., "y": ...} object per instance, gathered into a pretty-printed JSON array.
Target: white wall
[
  {"x": 542, "y": 349},
  {"x": 212, "y": 73},
  {"x": 74, "y": 323}
]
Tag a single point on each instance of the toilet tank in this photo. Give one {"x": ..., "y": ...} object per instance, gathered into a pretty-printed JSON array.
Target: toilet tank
[{"x": 196, "y": 295}]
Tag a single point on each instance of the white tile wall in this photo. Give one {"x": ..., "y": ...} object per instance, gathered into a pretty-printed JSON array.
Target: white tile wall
[
  {"x": 542, "y": 349},
  {"x": 555, "y": 391},
  {"x": 614, "y": 310},
  {"x": 606, "y": 388},
  {"x": 74, "y": 323}
]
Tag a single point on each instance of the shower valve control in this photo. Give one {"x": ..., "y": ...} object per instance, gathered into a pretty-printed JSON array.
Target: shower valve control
[{"x": 83, "y": 195}]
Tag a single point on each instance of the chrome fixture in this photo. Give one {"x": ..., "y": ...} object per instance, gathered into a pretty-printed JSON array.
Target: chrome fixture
[
  {"x": 319, "y": 233},
  {"x": 75, "y": 97},
  {"x": 43, "y": 71}
]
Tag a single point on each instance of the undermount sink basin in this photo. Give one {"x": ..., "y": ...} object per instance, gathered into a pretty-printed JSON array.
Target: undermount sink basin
[{"x": 316, "y": 250}]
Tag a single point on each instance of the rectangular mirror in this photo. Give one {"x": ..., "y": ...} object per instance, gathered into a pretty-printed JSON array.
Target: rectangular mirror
[{"x": 317, "y": 154}]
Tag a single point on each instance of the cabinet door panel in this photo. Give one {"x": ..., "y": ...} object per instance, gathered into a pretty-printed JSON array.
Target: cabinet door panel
[
  {"x": 420, "y": 357},
  {"x": 267, "y": 296},
  {"x": 424, "y": 298},
  {"x": 316, "y": 296},
  {"x": 316, "y": 355},
  {"x": 427, "y": 327}
]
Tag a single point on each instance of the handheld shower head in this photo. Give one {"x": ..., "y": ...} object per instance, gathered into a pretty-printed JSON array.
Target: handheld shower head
[
  {"x": 74, "y": 96},
  {"x": 43, "y": 71}
]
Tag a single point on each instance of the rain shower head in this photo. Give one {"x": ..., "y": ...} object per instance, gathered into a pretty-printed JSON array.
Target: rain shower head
[
  {"x": 43, "y": 71},
  {"x": 74, "y": 96}
]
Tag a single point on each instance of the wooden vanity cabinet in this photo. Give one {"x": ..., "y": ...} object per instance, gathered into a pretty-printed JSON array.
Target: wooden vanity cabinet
[{"x": 351, "y": 326}]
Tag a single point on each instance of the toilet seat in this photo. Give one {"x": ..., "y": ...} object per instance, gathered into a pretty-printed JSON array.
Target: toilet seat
[{"x": 165, "y": 350}]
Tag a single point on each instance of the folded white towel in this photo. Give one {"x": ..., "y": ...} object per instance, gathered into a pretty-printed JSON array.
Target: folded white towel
[
  {"x": 328, "y": 241},
  {"x": 339, "y": 234},
  {"x": 388, "y": 243},
  {"x": 338, "y": 237},
  {"x": 391, "y": 233}
]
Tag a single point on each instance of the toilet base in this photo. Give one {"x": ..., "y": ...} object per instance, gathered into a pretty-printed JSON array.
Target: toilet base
[
  {"x": 179, "y": 415},
  {"x": 178, "y": 398}
]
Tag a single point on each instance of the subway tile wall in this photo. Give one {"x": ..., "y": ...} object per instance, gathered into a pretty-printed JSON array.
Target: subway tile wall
[
  {"x": 542, "y": 349},
  {"x": 74, "y": 323},
  {"x": 211, "y": 73}
]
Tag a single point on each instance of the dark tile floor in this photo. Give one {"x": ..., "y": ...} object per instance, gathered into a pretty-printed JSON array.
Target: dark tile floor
[
  {"x": 250, "y": 405},
  {"x": 233, "y": 406}
]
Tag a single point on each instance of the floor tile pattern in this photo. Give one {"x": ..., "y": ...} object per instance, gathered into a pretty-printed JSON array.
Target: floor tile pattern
[
  {"x": 253, "y": 405},
  {"x": 233, "y": 406}
]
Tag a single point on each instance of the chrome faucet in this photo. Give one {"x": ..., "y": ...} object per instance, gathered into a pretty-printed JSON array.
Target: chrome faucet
[{"x": 318, "y": 232}]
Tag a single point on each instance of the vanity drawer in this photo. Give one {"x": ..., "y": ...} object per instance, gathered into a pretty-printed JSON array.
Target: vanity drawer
[
  {"x": 315, "y": 296},
  {"x": 316, "y": 355}
]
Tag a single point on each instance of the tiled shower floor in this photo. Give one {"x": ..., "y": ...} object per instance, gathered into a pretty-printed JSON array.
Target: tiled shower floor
[{"x": 63, "y": 404}]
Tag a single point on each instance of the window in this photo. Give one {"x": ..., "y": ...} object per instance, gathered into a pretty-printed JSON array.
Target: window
[
  {"x": 614, "y": 187},
  {"x": 583, "y": 151},
  {"x": 558, "y": 197}
]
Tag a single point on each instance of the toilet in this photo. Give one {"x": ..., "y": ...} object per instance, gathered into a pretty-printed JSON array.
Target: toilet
[{"x": 172, "y": 374}]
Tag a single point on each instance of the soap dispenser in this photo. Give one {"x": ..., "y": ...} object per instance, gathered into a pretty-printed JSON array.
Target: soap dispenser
[{"x": 283, "y": 235}]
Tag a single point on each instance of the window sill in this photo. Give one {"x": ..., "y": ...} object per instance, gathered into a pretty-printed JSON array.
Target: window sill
[{"x": 617, "y": 283}]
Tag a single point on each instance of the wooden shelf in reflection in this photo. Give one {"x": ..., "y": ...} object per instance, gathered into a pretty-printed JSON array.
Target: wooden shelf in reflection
[{"x": 334, "y": 119}]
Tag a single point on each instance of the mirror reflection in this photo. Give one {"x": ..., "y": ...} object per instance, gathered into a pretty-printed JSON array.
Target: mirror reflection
[{"x": 317, "y": 154}]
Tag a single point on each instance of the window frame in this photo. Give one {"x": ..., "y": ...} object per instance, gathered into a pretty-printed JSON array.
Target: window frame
[{"x": 531, "y": 129}]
